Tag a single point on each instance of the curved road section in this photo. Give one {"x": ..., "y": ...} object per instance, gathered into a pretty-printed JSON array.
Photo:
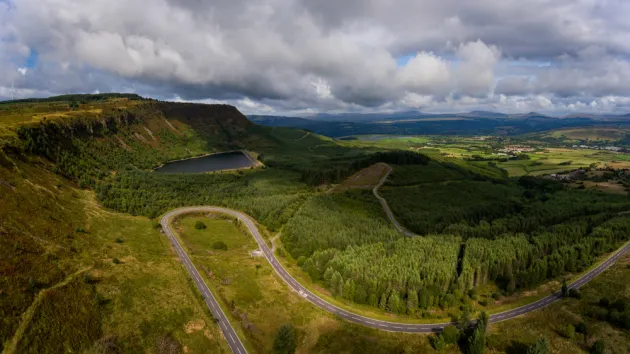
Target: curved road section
[
  {"x": 385, "y": 206},
  {"x": 237, "y": 346}
]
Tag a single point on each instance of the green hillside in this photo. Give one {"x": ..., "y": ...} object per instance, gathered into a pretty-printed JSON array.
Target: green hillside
[
  {"x": 85, "y": 268},
  {"x": 60, "y": 246}
]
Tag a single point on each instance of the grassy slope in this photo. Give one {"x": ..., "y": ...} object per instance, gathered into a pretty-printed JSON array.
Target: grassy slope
[
  {"x": 59, "y": 247},
  {"x": 67, "y": 283}
]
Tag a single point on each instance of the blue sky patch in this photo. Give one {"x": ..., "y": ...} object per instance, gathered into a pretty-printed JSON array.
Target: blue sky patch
[{"x": 31, "y": 60}]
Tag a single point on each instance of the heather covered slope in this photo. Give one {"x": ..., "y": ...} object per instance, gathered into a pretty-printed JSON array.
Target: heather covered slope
[{"x": 73, "y": 275}]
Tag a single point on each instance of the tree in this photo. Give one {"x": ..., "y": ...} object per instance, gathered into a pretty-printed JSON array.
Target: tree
[
  {"x": 450, "y": 334},
  {"x": 412, "y": 301},
  {"x": 348, "y": 290},
  {"x": 336, "y": 282},
  {"x": 328, "y": 275},
  {"x": 464, "y": 320},
  {"x": 438, "y": 343},
  {"x": 565, "y": 289},
  {"x": 286, "y": 341},
  {"x": 484, "y": 320},
  {"x": 540, "y": 347},
  {"x": 393, "y": 303},
  {"x": 383, "y": 303},
  {"x": 477, "y": 342},
  {"x": 598, "y": 347},
  {"x": 199, "y": 225}
]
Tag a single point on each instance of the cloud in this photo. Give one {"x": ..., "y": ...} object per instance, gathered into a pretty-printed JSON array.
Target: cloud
[
  {"x": 475, "y": 71},
  {"x": 304, "y": 55}
]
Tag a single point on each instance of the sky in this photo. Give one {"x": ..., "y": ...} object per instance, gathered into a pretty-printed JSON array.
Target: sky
[{"x": 301, "y": 57}]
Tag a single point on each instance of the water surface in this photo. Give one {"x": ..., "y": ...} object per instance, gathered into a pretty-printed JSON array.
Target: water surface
[{"x": 215, "y": 162}]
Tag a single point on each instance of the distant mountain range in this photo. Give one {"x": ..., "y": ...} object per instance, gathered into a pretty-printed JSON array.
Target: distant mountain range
[{"x": 415, "y": 122}]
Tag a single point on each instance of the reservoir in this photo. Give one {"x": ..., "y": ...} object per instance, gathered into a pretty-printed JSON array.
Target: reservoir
[{"x": 214, "y": 162}]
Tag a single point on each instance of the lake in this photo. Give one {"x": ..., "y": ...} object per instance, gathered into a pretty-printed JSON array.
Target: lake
[{"x": 215, "y": 162}]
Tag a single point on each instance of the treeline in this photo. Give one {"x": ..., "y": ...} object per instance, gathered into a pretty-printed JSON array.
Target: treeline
[
  {"x": 270, "y": 196},
  {"x": 336, "y": 168},
  {"x": 519, "y": 262},
  {"x": 400, "y": 276},
  {"x": 78, "y": 97},
  {"x": 405, "y": 275}
]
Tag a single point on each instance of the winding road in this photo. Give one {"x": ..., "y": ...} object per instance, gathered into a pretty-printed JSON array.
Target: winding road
[{"x": 237, "y": 346}]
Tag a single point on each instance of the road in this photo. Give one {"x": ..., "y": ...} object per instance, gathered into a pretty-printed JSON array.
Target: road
[
  {"x": 237, "y": 346},
  {"x": 228, "y": 331},
  {"x": 385, "y": 206}
]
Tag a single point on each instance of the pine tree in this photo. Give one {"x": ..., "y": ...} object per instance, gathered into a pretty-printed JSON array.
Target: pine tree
[
  {"x": 383, "y": 303},
  {"x": 412, "y": 301},
  {"x": 286, "y": 341},
  {"x": 483, "y": 321},
  {"x": 450, "y": 334},
  {"x": 464, "y": 320},
  {"x": 477, "y": 342},
  {"x": 348, "y": 290},
  {"x": 328, "y": 275},
  {"x": 335, "y": 282},
  {"x": 393, "y": 303}
]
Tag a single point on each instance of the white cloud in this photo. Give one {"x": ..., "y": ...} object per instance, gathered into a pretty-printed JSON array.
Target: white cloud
[
  {"x": 426, "y": 73},
  {"x": 299, "y": 55}
]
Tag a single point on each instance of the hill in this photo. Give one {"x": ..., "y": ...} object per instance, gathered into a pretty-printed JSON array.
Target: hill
[
  {"x": 464, "y": 124},
  {"x": 84, "y": 267},
  {"x": 63, "y": 254}
]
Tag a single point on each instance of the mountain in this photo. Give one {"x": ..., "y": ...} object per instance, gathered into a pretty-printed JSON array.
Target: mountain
[
  {"x": 406, "y": 123},
  {"x": 485, "y": 114}
]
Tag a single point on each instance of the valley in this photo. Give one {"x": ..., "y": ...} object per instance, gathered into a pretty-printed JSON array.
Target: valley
[{"x": 371, "y": 236}]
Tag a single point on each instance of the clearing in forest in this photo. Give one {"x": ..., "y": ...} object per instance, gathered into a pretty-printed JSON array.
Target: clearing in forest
[{"x": 366, "y": 178}]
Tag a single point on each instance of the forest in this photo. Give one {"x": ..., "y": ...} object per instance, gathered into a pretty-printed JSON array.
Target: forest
[
  {"x": 270, "y": 196},
  {"x": 515, "y": 234}
]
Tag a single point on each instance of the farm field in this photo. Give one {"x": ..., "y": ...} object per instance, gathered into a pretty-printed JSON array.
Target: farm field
[{"x": 544, "y": 159}]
